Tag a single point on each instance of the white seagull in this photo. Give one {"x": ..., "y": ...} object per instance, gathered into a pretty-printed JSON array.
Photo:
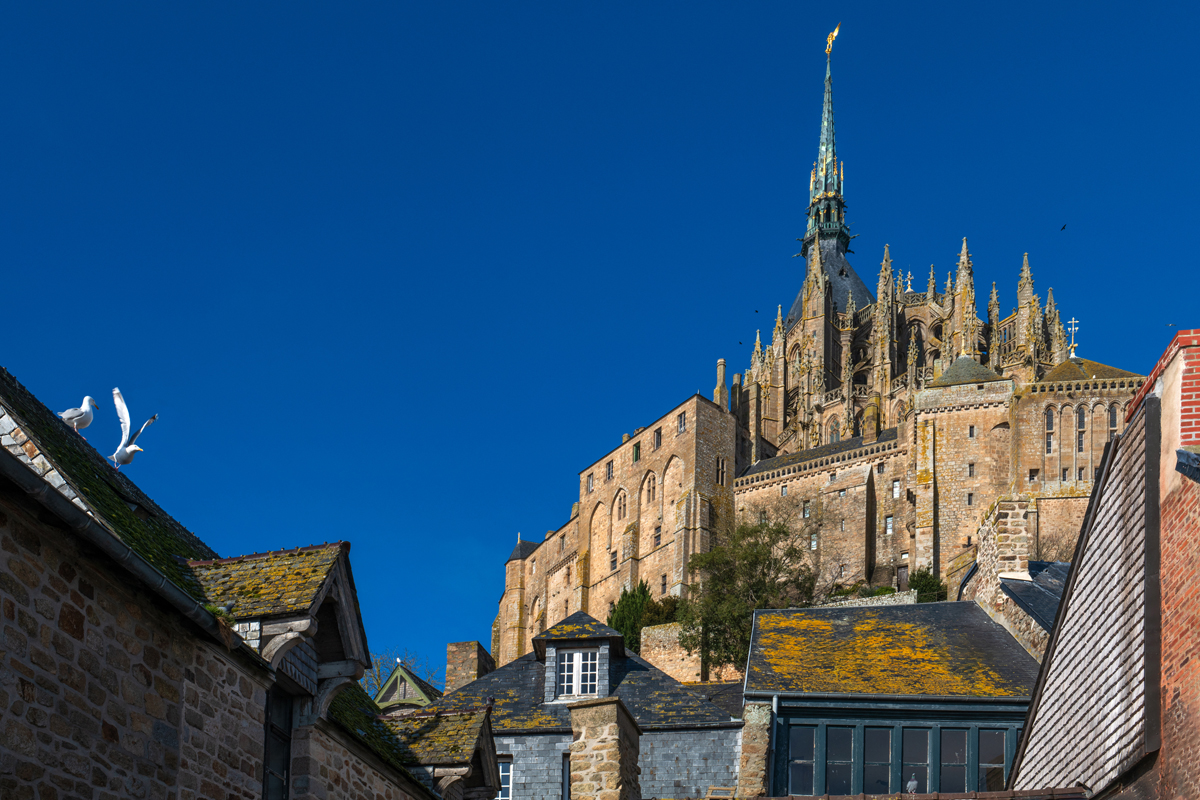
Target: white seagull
[
  {"x": 127, "y": 448},
  {"x": 79, "y": 418}
]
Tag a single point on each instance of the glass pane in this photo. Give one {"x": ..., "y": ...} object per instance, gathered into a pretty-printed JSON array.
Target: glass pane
[
  {"x": 991, "y": 779},
  {"x": 803, "y": 744},
  {"x": 875, "y": 778},
  {"x": 916, "y": 745},
  {"x": 276, "y": 790},
  {"x": 877, "y": 746},
  {"x": 837, "y": 778},
  {"x": 954, "y": 747},
  {"x": 802, "y": 778},
  {"x": 954, "y": 778},
  {"x": 839, "y": 744},
  {"x": 913, "y": 779},
  {"x": 991, "y": 747},
  {"x": 279, "y": 753}
]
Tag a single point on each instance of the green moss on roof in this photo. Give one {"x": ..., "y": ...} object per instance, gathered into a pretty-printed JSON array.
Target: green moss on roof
[
  {"x": 268, "y": 584},
  {"x": 354, "y": 711},
  {"x": 1081, "y": 369},
  {"x": 144, "y": 527},
  {"x": 438, "y": 738},
  {"x": 578, "y": 626},
  {"x": 933, "y": 649},
  {"x": 965, "y": 370}
]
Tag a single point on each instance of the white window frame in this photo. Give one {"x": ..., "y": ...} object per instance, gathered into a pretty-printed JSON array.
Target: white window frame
[
  {"x": 576, "y": 670},
  {"x": 895, "y": 488},
  {"x": 505, "y": 792},
  {"x": 888, "y": 525},
  {"x": 683, "y": 422}
]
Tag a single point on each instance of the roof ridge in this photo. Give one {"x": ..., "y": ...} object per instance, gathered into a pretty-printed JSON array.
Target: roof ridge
[{"x": 248, "y": 556}]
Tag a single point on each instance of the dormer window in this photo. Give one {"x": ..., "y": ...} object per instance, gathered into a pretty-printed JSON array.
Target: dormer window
[{"x": 578, "y": 671}]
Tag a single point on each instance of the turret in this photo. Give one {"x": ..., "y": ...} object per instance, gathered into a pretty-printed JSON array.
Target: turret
[{"x": 721, "y": 393}]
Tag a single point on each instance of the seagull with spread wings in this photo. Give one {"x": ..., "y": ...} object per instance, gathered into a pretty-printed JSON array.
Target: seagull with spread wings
[
  {"x": 80, "y": 418},
  {"x": 127, "y": 449}
]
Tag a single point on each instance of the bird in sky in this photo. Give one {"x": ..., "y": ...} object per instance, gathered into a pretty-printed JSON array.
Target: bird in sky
[
  {"x": 79, "y": 418},
  {"x": 127, "y": 449},
  {"x": 912, "y": 784},
  {"x": 1063, "y": 228}
]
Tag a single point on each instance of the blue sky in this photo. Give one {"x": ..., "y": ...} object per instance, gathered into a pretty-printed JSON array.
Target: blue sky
[{"x": 393, "y": 273}]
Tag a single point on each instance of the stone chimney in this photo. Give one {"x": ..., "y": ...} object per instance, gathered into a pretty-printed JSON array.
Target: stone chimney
[
  {"x": 604, "y": 755},
  {"x": 721, "y": 392},
  {"x": 466, "y": 662}
]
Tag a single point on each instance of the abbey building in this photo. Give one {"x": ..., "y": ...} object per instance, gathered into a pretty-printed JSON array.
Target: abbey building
[{"x": 896, "y": 418}]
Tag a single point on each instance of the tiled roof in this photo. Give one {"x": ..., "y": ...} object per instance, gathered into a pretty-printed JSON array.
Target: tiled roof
[
  {"x": 1081, "y": 369},
  {"x": 269, "y": 584},
  {"x": 929, "y": 649},
  {"x": 964, "y": 370},
  {"x": 725, "y": 695},
  {"x": 518, "y": 688},
  {"x": 578, "y": 626},
  {"x": 438, "y": 738},
  {"x": 117, "y": 503},
  {"x": 824, "y": 451},
  {"x": 354, "y": 711},
  {"x": 523, "y": 550},
  {"x": 1039, "y": 597}
]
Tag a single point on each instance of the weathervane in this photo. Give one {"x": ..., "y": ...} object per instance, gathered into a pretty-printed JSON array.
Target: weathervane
[
  {"x": 1074, "y": 323},
  {"x": 830, "y": 38}
]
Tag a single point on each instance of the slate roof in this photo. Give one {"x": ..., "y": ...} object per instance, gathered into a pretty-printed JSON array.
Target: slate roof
[
  {"x": 824, "y": 451},
  {"x": 843, "y": 281},
  {"x": 444, "y": 738},
  {"x": 523, "y": 550},
  {"x": 964, "y": 370},
  {"x": 279, "y": 583},
  {"x": 930, "y": 649},
  {"x": 403, "y": 673},
  {"x": 1039, "y": 597},
  {"x": 726, "y": 696},
  {"x": 1081, "y": 369},
  {"x": 578, "y": 626},
  {"x": 118, "y": 504}
]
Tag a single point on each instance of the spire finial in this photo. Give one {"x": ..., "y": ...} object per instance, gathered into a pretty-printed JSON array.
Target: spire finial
[
  {"x": 931, "y": 289},
  {"x": 829, "y": 40},
  {"x": 518, "y": 536},
  {"x": 1074, "y": 323},
  {"x": 908, "y": 288}
]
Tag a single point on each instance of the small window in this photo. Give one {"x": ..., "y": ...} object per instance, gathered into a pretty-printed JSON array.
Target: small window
[
  {"x": 904, "y": 556},
  {"x": 970, "y": 431},
  {"x": 1033, "y": 475},
  {"x": 720, "y": 472},
  {"x": 843, "y": 526},
  {"x": 879, "y": 469},
  {"x": 1049, "y": 442},
  {"x": 664, "y": 584},
  {"x": 505, "y": 792},
  {"x": 1081, "y": 473},
  {"x": 562, "y": 543},
  {"x": 591, "y": 482},
  {"x": 1079, "y": 441},
  {"x": 1112, "y": 422},
  {"x": 762, "y": 518},
  {"x": 577, "y": 672},
  {"x": 1096, "y": 474},
  {"x": 682, "y": 419},
  {"x": 612, "y": 561},
  {"x": 807, "y": 509},
  {"x": 887, "y": 525},
  {"x": 533, "y": 567},
  {"x": 1049, "y": 419},
  {"x": 895, "y": 488},
  {"x": 812, "y": 541},
  {"x": 608, "y": 471},
  {"x": 970, "y": 498},
  {"x": 783, "y": 490},
  {"x": 970, "y": 470},
  {"x": 841, "y": 492},
  {"x": 658, "y": 536},
  {"x": 637, "y": 452},
  {"x": 657, "y": 438}
]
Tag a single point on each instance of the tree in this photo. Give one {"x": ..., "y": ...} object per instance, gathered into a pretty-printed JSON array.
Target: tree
[
  {"x": 764, "y": 564},
  {"x": 384, "y": 661},
  {"x": 929, "y": 588},
  {"x": 636, "y": 609}
]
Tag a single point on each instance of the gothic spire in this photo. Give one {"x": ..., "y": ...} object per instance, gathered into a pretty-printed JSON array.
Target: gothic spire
[
  {"x": 1026, "y": 281},
  {"x": 826, "y": 207},
  {"x": 885, "y": 273},
  {"x": 964, "y": 262},
  {"x": 931, "y": 289}
]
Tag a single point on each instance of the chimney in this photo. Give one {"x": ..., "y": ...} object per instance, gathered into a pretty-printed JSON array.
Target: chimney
[
  {"x": 721, "y": 393},
  {"x": 466, "y": 662}
]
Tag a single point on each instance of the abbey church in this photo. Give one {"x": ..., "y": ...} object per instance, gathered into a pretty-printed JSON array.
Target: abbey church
[{"x": 896, "y": 419}]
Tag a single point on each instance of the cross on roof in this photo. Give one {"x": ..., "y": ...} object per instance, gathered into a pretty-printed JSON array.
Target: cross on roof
[{"x": 1073, "y": 326}]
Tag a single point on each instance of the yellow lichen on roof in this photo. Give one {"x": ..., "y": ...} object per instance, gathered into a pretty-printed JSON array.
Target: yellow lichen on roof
[
  {"x": 441, "y": 738},
  {"x": 266, "y": 584},
  {"x": 871, "y": 653}
]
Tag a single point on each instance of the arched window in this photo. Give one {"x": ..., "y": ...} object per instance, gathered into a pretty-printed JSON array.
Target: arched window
[
  {"x": 1080, "y": 419},
  {"x": 835, "y": 431},
  {"x": 1112, "y": 422},
  {"x": 650, "y": 488},
  {"x": 621, "y": 506},
  {"x": 1049, "y": 430}
]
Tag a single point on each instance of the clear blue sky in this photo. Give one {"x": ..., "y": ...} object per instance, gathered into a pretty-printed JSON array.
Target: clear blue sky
[{"x": 393, "y": 273}]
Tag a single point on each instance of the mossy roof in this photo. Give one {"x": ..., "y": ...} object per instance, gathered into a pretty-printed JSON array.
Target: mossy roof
[
  {"x": 578, "y": 626},
  {"x": 280, "y": 583},
  {"x": 118, "y": 504},
  {"x": 931, "y": 649},
  {"x": 355, "y": 712},
  {"x": 964, "y": 370},
  {"x": 518, "y": 691},
  {"x": 823, "y": 451},
  {"x": 1081, "y": 369},
  {"x": 447, "y": 738}
]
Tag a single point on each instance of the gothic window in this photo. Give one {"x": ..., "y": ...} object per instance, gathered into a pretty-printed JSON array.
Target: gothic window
[
  {"x": 1079, "y": 442},
  {"x": 1049, "y": 443},
  {"x": 807, "y": 509},
  {"x": 621, "y": 506},
  {"x": 720, "y": 472},
  {"x": 1112, "y": 422},
  {"x": 1049, "y": 420},
  {"x": 835, "y": 431},
  {"x": 650, "y": 488},
  {"x": 1080, "y": 418},
  {"x": 562, "y": 543}
]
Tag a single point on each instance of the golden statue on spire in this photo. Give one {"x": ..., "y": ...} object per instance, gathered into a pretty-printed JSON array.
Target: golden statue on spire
[{"x": 829, "y": 40}]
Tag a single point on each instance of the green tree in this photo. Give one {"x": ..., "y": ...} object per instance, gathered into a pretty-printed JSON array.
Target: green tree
[
  {"x": 762, "y": 565},
  {"x": 929, "y": 588},
  {"x": 627, "y": 614}
]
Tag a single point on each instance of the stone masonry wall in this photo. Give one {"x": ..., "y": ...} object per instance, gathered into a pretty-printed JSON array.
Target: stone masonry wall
[
  {"x": 755, "y": 750},
  {"x": 323, "y": 768},
  {"x": 604, "y": 755},
  {"x": 660, "y": 646},
  {"x": 105, "y": 694}
]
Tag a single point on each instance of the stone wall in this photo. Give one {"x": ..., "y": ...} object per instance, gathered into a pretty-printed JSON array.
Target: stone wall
[
  {"x": 753, "y": 778},
  {"x": 897, "y": 599},
  {"x": 604, "y": 755},
  {"x": 105, "y": 693},
  {"x": 466, "y": 662},
  {"x": 1059, "y": 520},
  {"x": 660, "y": 646},
  {"x": 327, "y": 764}
]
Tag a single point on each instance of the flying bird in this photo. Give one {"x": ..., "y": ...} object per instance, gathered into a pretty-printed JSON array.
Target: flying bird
[
  {"x": 81, "y": 417},
  {"x": 912, "y": 784},
  {"x": 1063, "y": 228},
  {"x": 127, "y": 449}
]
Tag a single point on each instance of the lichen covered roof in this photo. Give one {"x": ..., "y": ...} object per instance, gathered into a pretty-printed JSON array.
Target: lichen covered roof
[
  {"x": 964, "y": 370},
  {"x": 654, "y": 698},
  {"x": 443, "y": 738},
  {"x": 353, "y": 710},
  {"x": 283, "y": 582},
  {"x": 118, "y": 504},
  {"x": 578, "y": 626},
  {"x": 1081, "y": 369},
  {"x": 824, "y": 451},
  {"x": 930, "y": 649}
]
